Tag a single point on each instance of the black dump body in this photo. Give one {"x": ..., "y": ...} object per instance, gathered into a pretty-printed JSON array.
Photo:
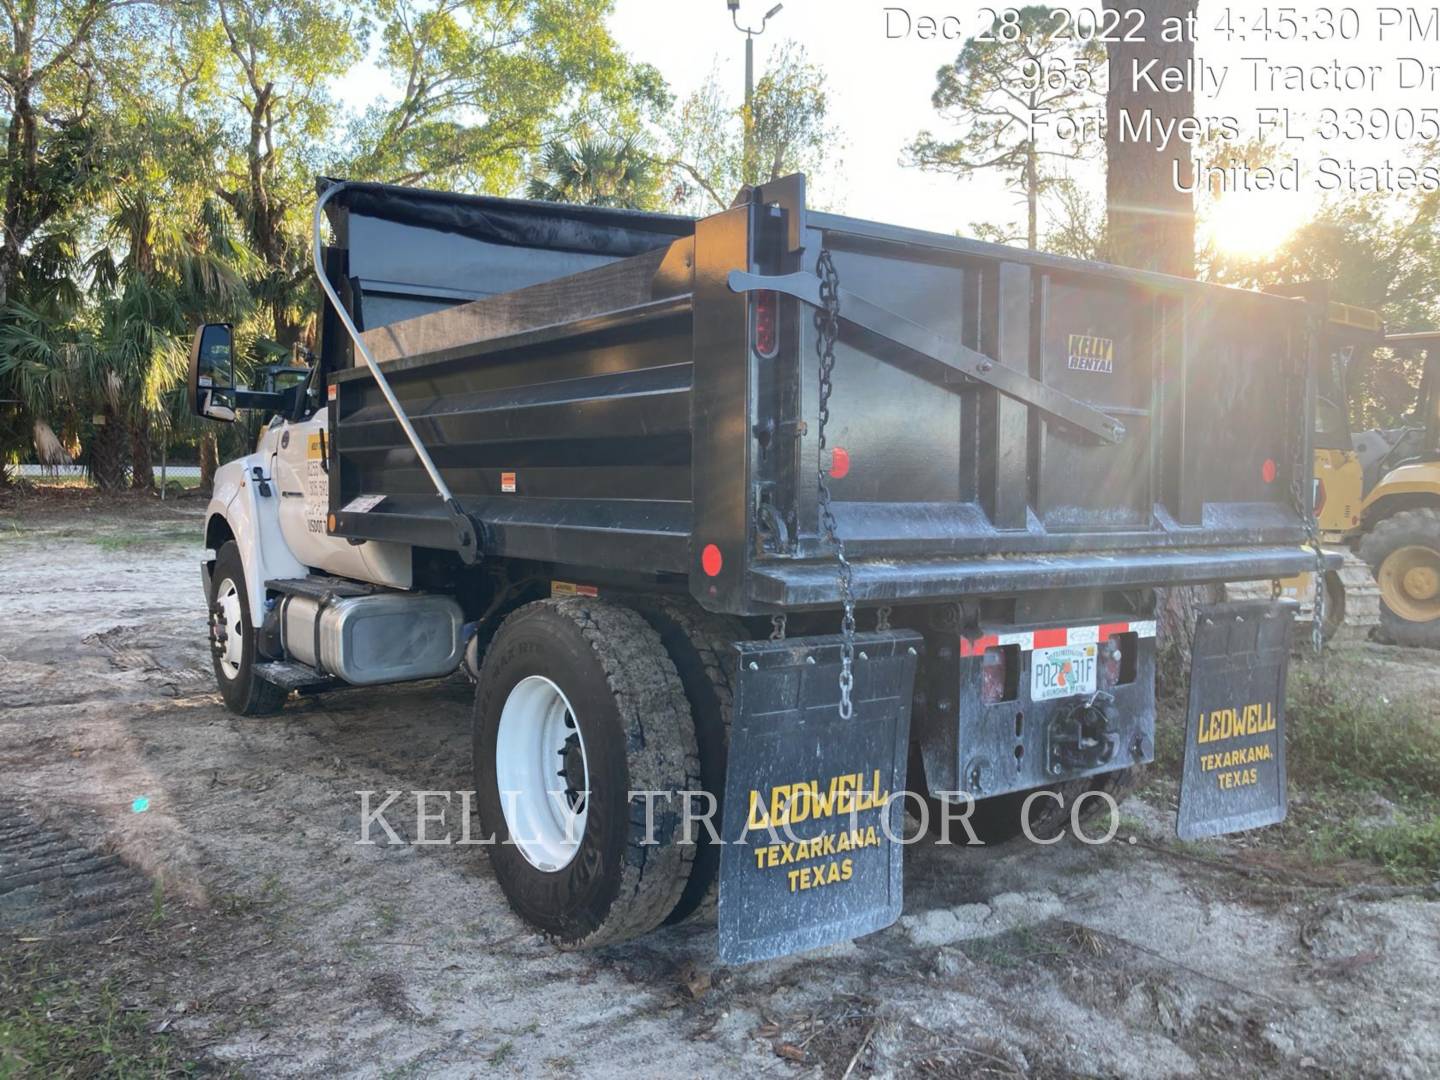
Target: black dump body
[{"x": 589, "y": 385}]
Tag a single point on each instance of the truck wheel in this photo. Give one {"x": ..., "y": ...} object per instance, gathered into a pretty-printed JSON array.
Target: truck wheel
[
  {"x": 577, "y": 707},
  {"x": 232, "y": 640},
  {"x": 698, "y": 643},
  {"x": 1404, "y": 555}
]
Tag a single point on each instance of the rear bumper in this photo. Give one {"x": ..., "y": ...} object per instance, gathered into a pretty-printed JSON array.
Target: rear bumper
[{"x": 814, "y": 584}]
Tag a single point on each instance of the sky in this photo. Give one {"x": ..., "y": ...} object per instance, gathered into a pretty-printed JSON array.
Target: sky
[
  {"x": 879, "y": 83},
  {"x": 880, "y": 86}
]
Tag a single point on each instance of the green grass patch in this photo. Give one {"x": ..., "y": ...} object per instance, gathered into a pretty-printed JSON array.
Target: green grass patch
[
  {"x": 1408, "y": 848},
  {"x": 58, "y": 1027},
  {"x": 129, "y": 541},
  {"x": 1348, "y": 738}
]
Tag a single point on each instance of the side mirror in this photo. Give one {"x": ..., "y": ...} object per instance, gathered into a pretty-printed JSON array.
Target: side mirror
[{"x": 212, "y": 373}]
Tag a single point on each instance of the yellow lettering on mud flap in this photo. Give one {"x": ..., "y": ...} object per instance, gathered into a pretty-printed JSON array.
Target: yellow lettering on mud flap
[
  {"x": 1221, "y": 724},
  {"x": 806, "y": 800}
]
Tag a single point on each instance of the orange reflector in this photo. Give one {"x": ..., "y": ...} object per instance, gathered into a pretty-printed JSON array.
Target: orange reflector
[
  {"x": 1267, "y": 471},
  {"x": 840, "y": 463},
  {"x": 330, "y": 523},
  {"x": 711, "y": 560}
]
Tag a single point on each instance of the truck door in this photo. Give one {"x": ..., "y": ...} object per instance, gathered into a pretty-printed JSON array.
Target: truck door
[{"x": 299, "y": 469}]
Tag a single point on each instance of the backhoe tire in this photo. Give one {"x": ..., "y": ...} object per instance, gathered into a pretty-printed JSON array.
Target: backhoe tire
[
  {"x": 233, "y": 640},
  {"x": 1403, "y": 553},
  {"x": 699, "y": 644},
  {"x": 577, "y": 707}
]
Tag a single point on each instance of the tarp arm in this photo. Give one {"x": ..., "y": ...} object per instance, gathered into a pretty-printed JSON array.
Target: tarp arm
[{"x": 468, "y": 529}]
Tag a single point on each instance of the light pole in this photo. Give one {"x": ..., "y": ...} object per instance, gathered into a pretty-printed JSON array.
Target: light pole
[{"x": 751, "y": 33}]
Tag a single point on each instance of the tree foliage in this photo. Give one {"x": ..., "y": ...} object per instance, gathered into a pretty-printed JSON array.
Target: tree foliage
[
  {"x": 789, "y": 121},
  {"x": 1009, "y": 95}
]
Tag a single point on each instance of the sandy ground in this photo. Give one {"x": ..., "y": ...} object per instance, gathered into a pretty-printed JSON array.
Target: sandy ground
[{"x": 280, "y": 946}]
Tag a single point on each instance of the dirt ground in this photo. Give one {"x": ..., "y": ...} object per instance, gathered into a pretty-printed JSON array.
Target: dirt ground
[{"x": 228, "y": 899}]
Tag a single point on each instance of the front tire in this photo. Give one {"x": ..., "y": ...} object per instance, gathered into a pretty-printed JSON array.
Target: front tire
[
  {"x": 233, "y": 640},
  {"x": 571, "y": 850}
]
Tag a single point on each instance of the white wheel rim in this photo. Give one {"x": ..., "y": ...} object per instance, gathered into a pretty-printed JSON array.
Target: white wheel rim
[
  {"x": 542, "y": 774},
  {"x": 227, "y": 598}
]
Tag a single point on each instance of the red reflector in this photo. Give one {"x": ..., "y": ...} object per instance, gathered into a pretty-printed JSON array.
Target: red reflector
[
  {"x": 767, "y": 322},
  {"x": 1267, "y": 471},
  {"x": 711, "y": 560},
  {"x": 840, "y": 463}
]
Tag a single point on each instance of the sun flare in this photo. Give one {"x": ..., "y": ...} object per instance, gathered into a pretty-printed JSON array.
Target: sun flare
[{"x": 1251, "y": 224}]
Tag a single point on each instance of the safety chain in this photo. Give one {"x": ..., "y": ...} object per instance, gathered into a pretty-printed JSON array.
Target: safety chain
[
  {"x": 777, "y": 627},
  {"x": 1312, "y": 536},
  {"x": 827, "y": 325}
]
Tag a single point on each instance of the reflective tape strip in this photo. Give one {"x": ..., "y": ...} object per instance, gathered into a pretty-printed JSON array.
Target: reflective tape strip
[{"x": 1029, "y": 640}]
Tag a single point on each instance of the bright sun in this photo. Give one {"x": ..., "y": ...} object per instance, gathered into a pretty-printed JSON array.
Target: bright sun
[{"x": 1252, "y": 224}]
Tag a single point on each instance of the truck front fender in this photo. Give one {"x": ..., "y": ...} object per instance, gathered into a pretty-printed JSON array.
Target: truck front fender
[{"x": 253, "y": 520}]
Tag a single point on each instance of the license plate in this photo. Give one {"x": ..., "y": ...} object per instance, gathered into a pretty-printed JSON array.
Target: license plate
[{"x": 1063, "y": 671}]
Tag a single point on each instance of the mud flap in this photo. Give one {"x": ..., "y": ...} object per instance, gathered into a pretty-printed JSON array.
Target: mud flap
[
  {"x": 1234, "y": 771},
  {"x": 808, "y": 858}
]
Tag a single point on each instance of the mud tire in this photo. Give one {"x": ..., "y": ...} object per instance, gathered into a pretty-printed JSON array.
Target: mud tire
[
  {"x": 698, "y": 643},
  {"x": 632, "y": 713}
]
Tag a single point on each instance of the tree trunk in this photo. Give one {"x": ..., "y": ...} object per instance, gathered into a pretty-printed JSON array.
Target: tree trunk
[
  {"x": 209, "y": 461},
  {"x": 1152, "y": 227},
  {"x": 1152, "y": 220},
  {"x": 107, "y": 452},
  {"x": 1032, "y": 197},
  {"x": 142, "y": 473}
]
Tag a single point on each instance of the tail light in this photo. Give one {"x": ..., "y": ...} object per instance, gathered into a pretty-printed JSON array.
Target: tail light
[
  {"x": 1000, "y": 674},
  {"x": 1119, "y": 654},
  {"x": 767, "y": 322}
]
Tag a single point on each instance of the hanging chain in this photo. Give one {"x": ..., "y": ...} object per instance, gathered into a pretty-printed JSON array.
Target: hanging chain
[
  {"x": 1312, "y": 538},
  {"x": 1305, "y": 471},
  {"x": 882, "y": 618},
  {"x": 777, "y": 627},
  {"x": 827, "y": 325}
]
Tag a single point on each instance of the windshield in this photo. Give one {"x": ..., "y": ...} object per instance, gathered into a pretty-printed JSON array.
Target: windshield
[{"x": 1332, "y": 421}]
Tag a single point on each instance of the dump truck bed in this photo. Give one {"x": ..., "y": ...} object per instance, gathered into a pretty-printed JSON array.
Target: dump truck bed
[{"x": 590, "y": 385}]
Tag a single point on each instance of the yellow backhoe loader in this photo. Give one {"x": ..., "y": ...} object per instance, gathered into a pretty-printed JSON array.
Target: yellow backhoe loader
[{"x": 1377, "y": 493}]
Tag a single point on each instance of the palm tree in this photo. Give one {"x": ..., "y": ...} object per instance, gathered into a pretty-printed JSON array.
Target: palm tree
[
  {"x": 102, "y": 374},
  {"x": 596, "y": 171},
  {"x": 173, "y": 271}
]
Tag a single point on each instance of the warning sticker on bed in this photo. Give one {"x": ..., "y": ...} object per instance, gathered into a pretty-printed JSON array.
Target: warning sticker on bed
[{"x": 362, "y": 504}]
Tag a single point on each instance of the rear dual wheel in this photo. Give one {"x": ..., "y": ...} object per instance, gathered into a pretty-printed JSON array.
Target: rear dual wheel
[{"x": 578, "y": 710}]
